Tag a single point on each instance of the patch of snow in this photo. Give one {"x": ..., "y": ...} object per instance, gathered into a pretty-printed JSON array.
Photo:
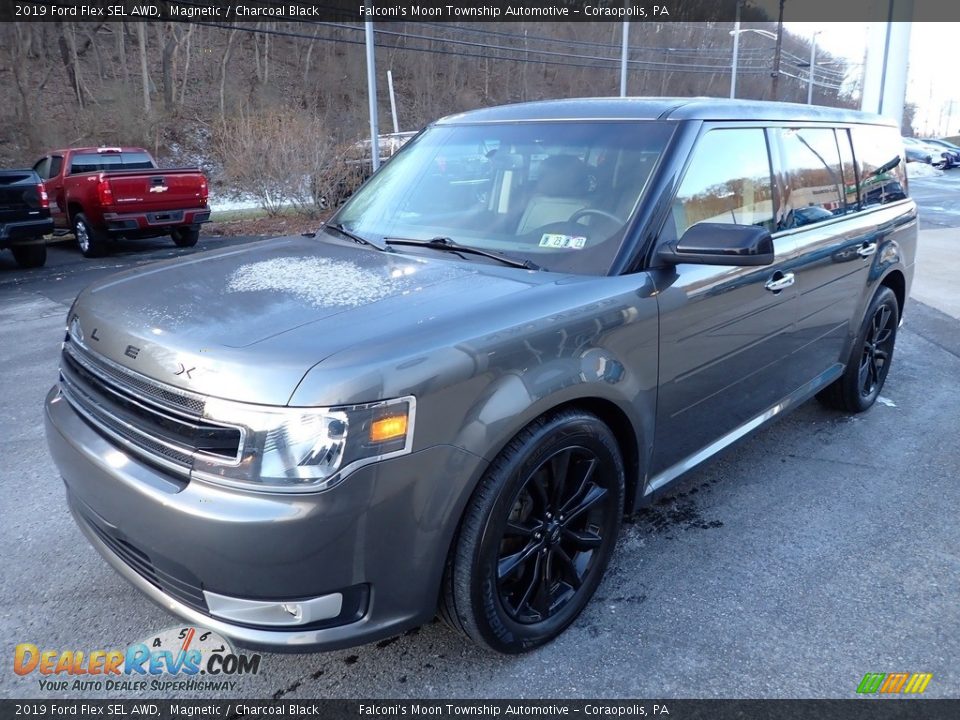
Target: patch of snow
[
  {"x": 886, "y": 401},
  {"x": 320, "y": 281},
  {"x": 220, "y": 203},
  {"x": 917, "y": 169}
]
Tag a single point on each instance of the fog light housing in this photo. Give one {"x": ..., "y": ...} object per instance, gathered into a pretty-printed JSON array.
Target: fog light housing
[{"x": 290, "y": 613}]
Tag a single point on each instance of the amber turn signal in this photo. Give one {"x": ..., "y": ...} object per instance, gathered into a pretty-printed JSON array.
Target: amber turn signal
[{"x": 388, "y": 428}]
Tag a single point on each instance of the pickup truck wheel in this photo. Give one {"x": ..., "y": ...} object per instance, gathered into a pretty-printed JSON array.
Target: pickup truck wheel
[
  {"x": 537, "y": 534},
  {"x": 30, "y": 256},
  {"x": 91, "y": 242},
  {"x": 186, "y": 237},
  {"x": 869, "y": 362}
]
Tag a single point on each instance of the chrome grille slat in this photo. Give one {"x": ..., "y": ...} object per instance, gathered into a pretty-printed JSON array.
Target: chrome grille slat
[
  {"x": 174, "y": 399},
  {"x": 140, "y": 419},
  {"x": 177, "y": 461}
]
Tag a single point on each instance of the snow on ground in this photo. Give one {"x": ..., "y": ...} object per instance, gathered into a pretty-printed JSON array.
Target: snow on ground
[
  {"x": 917, "y": 169},
  {"x": 225, "y": 203}
]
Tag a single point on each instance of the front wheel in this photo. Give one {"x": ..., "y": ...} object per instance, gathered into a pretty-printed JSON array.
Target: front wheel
[
  {"x": 30, "y": 256},
  {"x": 537, "y": 534},
  {"x": 186, "y": 237},
  {"x": 869, "y": 362}
]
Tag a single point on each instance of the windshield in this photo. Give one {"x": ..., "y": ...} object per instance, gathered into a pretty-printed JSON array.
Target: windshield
[{"x": 559, "y": 194}]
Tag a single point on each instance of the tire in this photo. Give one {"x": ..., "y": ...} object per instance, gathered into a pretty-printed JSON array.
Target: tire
[
  {"x": 186, "y": 237},
  {"x": 531, "y": 551},
  {"x": 92, "y": 243},
  {"x": 869, "y": 362},
  {"x": 30, "y": 256}
]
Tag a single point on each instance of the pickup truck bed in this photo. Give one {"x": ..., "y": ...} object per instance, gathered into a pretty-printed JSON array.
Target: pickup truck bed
[{"x": 24, "y": 216}]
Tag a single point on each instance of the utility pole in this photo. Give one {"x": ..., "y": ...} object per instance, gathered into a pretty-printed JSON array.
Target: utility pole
[
  {"x": 776, "y": 57},
  {"x": 813, "y": 62}
]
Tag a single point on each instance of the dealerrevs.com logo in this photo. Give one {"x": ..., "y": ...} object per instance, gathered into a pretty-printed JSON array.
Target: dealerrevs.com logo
[{"x": 179, "y": 658}]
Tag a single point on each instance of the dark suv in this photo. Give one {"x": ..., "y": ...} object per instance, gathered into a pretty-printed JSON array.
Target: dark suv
[{"x": 527, "y": 323}]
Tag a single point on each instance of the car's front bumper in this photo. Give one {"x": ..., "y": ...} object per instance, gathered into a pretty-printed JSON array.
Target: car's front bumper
[{"x": 380, "y": 538}]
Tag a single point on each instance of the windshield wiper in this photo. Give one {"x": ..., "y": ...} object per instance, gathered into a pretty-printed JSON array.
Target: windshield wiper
[
  {"x": 340, "y": 228},
  {"x": 448, "y": 245}
]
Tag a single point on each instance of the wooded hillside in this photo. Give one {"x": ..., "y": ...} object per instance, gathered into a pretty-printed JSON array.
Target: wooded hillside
[{"x": 184, "y": 89}]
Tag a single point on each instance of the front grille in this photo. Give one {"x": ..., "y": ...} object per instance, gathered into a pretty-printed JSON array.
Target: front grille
[
  {"x": 159, "y": 424},
  {"x": 172, "y": 579}
]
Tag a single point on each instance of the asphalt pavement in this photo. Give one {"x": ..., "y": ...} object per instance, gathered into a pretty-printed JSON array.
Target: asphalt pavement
[{"x": 822, "y": 548}]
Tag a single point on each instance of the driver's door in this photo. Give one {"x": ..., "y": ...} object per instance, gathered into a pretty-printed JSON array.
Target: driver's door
[{"x": 725, "y": 331}]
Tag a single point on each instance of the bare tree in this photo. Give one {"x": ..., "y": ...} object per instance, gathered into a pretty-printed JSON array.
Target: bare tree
[
  {"x": 170, "y": 45},
  {"x": 142, "y": 36},
  {"x": 186, "y": 65},
  {"x": 223, "y": 71}
]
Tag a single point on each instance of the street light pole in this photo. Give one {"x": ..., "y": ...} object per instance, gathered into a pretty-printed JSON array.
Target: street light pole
[
  {"x": 813, "y": 60},
  {"x": 372, "y": 93},
  {"x": 736, "y": 50},
  {"x": 624, "y": 51}
]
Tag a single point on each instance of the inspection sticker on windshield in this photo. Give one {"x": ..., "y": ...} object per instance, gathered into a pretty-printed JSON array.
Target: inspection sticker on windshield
[{"x": 556, "y": 240}]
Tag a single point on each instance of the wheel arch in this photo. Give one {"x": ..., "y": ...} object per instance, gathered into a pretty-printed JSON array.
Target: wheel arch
[
  {"x": 896, "y": 281},
  {"x": 73, "y": 209}
]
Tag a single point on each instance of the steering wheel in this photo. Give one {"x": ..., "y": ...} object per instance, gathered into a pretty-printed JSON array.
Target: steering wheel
[{"x": 586, "y": 212}]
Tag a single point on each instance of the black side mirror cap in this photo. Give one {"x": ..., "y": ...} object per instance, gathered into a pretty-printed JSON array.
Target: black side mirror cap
[{"x": 720, "y": 244}]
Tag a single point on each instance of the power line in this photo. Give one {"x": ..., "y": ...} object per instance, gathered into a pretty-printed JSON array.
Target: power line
[{"x": 673, "y": 67}]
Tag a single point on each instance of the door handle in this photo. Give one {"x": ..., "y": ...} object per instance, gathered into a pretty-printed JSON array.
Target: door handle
[
  {"x": 780, "y": 281},
  {"x": 867, "y": 249}
]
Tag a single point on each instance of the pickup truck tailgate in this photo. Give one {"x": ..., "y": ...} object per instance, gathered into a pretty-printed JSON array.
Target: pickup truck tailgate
[
  {"x": 157, "y": 190},
  {"x": 19, "y": 195}
]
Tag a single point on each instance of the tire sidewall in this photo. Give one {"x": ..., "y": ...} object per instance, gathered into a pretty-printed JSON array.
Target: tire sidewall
[{"x": 30, "y": 256}]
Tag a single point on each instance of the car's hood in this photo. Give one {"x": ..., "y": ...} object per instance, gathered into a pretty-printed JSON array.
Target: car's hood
[{"x": 247, "y": 323}]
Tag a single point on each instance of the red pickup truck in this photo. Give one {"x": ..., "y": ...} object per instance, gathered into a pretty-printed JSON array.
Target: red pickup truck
[{"x": 98, "y": 193}]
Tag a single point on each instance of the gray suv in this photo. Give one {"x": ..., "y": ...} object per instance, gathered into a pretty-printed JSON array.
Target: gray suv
[{"x": 531, "y": 320}]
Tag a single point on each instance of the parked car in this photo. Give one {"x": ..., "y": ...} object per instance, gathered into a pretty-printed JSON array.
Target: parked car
[
  {"x": 915, "y": 154},
  {"x": 939, "y": 157},
  {"x": 949, "y": 151},
  {"x": 529, "y": 322},
  {"x": 100, "y": 193},
  {"x": 24, "y": 217}
]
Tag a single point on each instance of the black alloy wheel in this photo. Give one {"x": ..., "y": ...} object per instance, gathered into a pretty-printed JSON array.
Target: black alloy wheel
[
  {"x": 537, "y": 534},
  {"x": 552, "y": 535},
  {"x": 870, "y": 357},
  {"x": 877, "y": 350}
]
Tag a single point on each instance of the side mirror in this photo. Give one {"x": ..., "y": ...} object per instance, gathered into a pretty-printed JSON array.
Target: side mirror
[{"x": 720, "y": 244}]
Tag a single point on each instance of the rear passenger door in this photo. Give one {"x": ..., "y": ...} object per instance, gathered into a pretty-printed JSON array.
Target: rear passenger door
[
  {"x": 821, "y": 213},
  {"x": 724, "y": 331}
]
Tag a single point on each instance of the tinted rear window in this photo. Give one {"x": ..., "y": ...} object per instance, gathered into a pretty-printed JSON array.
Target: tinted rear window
[
  {"x": 814, "y": 189},
  {"x": 97, "y": 162}
]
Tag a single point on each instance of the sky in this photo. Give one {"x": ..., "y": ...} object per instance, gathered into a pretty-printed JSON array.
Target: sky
[{"x": 931, "y": 78}]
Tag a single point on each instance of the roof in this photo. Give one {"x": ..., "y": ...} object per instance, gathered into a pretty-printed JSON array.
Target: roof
[{"x": 657, "y": 108}]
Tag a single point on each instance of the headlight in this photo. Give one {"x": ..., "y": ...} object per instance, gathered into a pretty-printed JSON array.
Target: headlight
[{"x": 306, "y": 449}]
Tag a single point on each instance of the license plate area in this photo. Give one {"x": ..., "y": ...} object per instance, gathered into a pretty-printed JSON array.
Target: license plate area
[{"x": 165, "y": 218}]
